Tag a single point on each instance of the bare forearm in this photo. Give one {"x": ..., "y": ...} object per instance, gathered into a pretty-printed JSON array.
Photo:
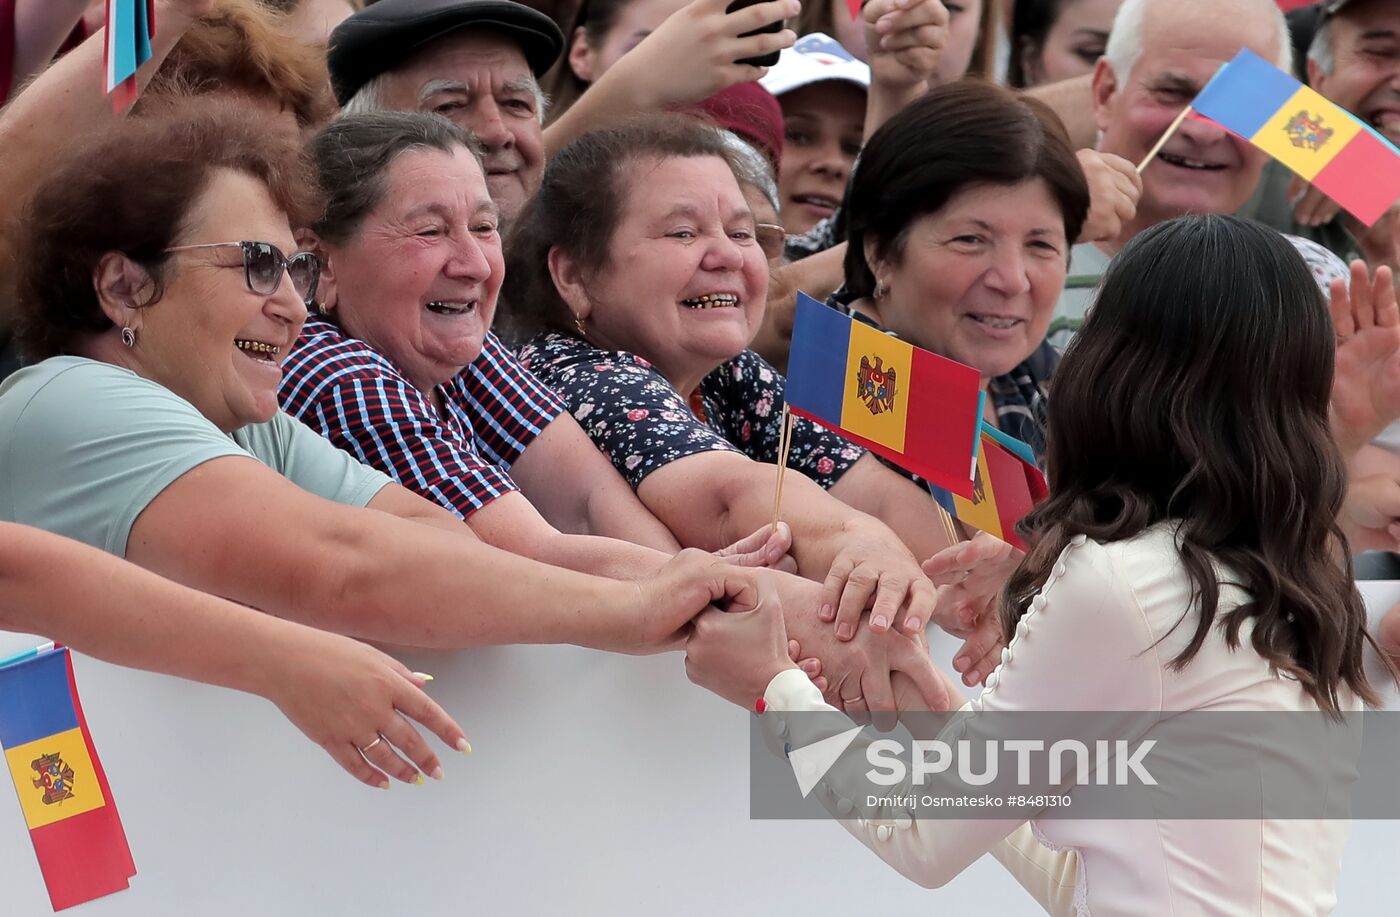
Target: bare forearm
[
  {"x": 1073, "y": 101},
  {"x": 819, "y": 522},
  {"x": 610, "y": 99},
  {"x": 901, "y": 504},
  {"x": 117, "y": 612},
  {"x": 621, "y": 517},
  {"x": 884, "y": 102},
  {"x": 609, "y": 557},
  {"x": 592, "y": 498},
  {"x": 409, "y": 583}
]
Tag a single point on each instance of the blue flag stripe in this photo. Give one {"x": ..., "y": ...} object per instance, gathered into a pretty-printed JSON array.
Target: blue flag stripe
[
  {"x": 34, "y": 699},
  {"x": 821, "y": 343},
  {"x": 1245, "y": 94}
]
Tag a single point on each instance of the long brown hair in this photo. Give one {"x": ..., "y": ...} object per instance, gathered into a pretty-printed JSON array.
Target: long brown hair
[{"x": 1197, "y": 392}]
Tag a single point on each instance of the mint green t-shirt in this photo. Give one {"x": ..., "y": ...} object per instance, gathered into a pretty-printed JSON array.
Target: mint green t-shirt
[{"x": 86, "y": 446}]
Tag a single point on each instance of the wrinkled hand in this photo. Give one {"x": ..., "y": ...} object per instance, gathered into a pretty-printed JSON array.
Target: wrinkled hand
[
  {"x": 768, "y": 547},
  {"x": 1114, "y": 190},
  {"x": 874, "y": 569},
  {"x": 859, "y": 672},
  {"x": 905, "y": 39},
  {"x": 736, "y": 652},
  {"x": 686, "y": 585},
  {"x": 1310, "y": 206},
  {"x": 1366, "y": 384},
  {"x": 343, "y": 695},
  {"x": 970, "y": 577},
  {"x": 811, "y": 665},
  {"x": 692, "y": 55},
  {"x": 1370, "y": 515},
  {"x": 908, "y": 697}
]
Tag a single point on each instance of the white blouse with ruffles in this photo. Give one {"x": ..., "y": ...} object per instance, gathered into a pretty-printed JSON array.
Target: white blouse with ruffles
[{"x": 1099, "y": 636}]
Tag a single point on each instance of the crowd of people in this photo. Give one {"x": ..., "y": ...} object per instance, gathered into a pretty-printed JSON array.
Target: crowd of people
[{"x": 447, "y": 323}]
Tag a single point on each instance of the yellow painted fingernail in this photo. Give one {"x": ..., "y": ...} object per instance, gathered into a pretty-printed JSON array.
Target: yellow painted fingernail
[
  {"x": 464, "y": 746},
  {"x": 417, "y": 779},
  {"x": 423, "y": 675}
]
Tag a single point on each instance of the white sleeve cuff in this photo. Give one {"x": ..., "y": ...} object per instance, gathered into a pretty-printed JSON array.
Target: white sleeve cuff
[{"x": 791, "y": 689}]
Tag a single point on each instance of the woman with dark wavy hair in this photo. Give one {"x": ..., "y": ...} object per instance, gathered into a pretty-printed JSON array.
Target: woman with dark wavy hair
[{"x": 1189, "y": 559}]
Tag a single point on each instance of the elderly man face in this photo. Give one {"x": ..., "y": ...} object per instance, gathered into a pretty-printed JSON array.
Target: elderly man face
[
  {"x": 1358, "y": 66},
  {"x": 1202, "y": 169},
  {"x": 480, "y": 80}
]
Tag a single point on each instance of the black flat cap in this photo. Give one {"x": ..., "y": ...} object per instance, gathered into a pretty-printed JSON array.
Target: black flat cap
[{"x": 384, "y": 34}]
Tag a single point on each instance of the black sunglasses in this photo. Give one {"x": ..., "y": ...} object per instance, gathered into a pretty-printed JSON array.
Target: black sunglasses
[{"x": 264, "y": 264}]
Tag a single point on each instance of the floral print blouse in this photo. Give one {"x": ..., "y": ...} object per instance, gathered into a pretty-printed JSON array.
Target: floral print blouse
[{"x": 639, "y": 420}]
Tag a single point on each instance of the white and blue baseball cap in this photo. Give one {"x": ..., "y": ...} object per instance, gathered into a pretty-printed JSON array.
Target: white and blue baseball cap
[{"x": 815, "y": 58}]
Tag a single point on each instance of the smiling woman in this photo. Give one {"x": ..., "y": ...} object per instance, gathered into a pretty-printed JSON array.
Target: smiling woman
[
  {"x": 960, "y": 219},
  {"x": 637, "y": 268},
  {"x": 399, "y": 366},
  {"x": 149, "y": 426}
]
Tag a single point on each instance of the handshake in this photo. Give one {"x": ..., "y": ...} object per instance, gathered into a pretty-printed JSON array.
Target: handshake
[{"x": 872, "y": 665}]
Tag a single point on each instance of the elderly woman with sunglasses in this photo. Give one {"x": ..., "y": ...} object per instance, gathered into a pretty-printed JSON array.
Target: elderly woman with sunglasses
[{"x": 149, "y": 425}]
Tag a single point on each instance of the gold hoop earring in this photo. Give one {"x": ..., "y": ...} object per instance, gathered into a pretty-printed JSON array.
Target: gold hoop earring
[{"x": 578, "y": 326}]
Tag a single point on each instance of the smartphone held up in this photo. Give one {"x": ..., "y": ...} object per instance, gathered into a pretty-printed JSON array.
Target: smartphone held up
[{"x": 766, "y": 60}]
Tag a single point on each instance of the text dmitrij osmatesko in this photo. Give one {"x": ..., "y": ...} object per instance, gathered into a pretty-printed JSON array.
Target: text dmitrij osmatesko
[{"x": 1115, "y": 763}]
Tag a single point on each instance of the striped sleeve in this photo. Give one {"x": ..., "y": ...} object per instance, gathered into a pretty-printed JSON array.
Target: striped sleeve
[
  {"x": 509, "y": 406},
  {"x": 387, "y": 424}
]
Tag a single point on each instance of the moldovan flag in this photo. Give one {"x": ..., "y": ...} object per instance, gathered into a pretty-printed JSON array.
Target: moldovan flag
[
  {"x": 1343, "y": 157},
  {"x": 917, "y": 409},
  {"x": 77, "y": 834},
  {"x": 1008, "y": 486}
]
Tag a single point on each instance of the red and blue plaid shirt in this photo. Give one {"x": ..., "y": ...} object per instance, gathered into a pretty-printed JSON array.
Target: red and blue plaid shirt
[{"x": 357, "y": 398}]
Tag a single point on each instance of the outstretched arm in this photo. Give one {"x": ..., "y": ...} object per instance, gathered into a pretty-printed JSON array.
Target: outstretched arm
[
  {"x": 390, "y": 573},
  {"x": 691, "y": 56},
  {"x": 337, "y": 691},
  {"x": 591, "y": 498}
]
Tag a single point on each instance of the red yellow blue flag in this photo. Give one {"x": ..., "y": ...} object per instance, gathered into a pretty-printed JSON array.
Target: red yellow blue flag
[
  {"x": 913, "y": 407},
  {"x": 1007, "y": 486},
  {"x": 63, "y": 792},
  {"x": 1344, "y": 158}
]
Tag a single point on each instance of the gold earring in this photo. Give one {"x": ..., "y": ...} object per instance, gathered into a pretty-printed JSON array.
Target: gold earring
[
  {"x": 880, "y": 289},
  {"x": 578, "y": 325},
  {"x": 323, "y": 308}
]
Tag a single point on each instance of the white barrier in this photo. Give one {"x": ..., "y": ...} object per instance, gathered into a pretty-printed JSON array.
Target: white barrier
[{"x": 601, "y": 784}]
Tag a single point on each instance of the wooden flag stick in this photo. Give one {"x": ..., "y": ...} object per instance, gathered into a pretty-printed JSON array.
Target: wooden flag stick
[
  {"x": 949, "y": 528},
  {"x": 1162, "y": 141},
  {"x": 784, "y": 442}
]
